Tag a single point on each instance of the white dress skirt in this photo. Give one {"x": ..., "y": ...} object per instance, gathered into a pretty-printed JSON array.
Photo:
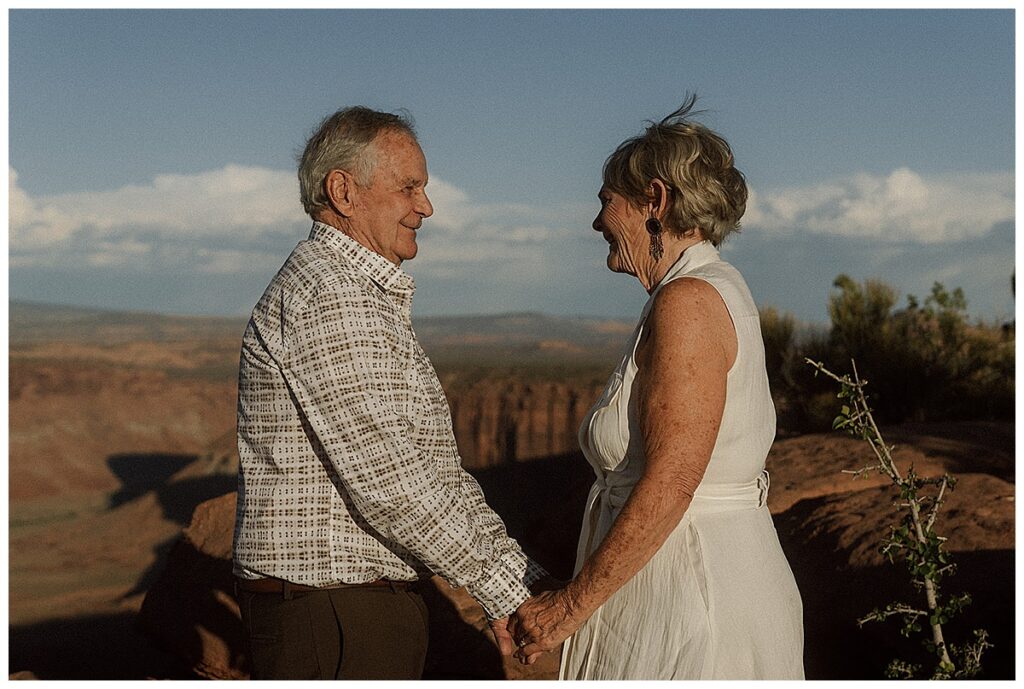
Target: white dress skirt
[{"x": 718, "y": 600}]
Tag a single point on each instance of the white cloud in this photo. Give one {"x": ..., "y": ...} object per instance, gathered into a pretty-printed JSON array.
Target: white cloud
[
  {"x": 239, "y": 218},
  {"x": 204, "y": 221},
  {"x": 903, "y": 206},
  {"x": 463, "y": 231}
]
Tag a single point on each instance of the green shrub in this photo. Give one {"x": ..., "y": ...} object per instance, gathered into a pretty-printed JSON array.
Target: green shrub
[{"x": 925, "y": 361}]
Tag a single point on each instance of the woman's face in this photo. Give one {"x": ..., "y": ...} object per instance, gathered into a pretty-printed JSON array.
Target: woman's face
[{"x": 622, "y": 226}]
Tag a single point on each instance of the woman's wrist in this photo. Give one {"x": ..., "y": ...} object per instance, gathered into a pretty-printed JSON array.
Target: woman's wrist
[{"x": 579, "y": 602}]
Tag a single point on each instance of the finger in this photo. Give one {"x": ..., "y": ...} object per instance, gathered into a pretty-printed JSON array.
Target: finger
[
  {"x": 513, "y": 626},
  {"x": 505, "y": 644},
  {"x": 530, "y": 649},
  {"x": 503, "y": 639},
  {"x": 528, "y": 659}
]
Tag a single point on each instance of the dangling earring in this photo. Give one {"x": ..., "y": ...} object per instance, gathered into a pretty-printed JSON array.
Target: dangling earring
[{"x": 654, "y": 229}]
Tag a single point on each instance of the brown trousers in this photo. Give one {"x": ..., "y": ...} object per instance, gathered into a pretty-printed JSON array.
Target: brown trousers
[{"x": 346, "y": 633}]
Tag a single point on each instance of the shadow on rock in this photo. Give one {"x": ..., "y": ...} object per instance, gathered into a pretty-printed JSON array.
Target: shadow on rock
[
  {"x": 178, "y": 499},
  {"x": 831, "y": 546},
  {"x": 830, "y": 541},
  {"x": 191, "y": 611},
  {"x": 971, "y": 447},
  {"x": 95, "y": 647},
  {"x": 541, "y": 503},
  {"x": 140, "y": 473}
]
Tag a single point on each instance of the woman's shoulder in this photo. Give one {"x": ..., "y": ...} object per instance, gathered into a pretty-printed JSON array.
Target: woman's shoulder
[
  {"x": 727, "y": 280},
  {"x": 686, "y": 302},
  {"x": 689, "y": 318}
]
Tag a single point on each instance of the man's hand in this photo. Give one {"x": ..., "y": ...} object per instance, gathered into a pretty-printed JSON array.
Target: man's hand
[
  {"x": 542, "y": 623},
  {"x": 499, "y": 628}
]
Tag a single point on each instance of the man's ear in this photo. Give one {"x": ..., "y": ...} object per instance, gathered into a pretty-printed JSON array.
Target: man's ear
[{"x": 339, "y": 185}]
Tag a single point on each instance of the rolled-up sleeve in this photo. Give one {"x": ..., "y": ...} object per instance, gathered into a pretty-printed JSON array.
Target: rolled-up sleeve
[{"x": 351, "y": 381}]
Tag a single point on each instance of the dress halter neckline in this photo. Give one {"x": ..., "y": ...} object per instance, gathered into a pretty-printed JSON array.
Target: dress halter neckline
[{"x": 693, "y": 257}]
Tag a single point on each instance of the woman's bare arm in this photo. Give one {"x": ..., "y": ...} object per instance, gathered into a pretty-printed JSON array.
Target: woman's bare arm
[{"x": 683, "y": 360}]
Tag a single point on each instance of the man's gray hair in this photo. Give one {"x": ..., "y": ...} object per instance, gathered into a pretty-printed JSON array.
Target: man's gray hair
[{"x": 342, "y": 142}]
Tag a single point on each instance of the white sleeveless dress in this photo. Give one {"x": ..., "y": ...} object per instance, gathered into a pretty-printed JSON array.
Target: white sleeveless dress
[{"x": 718, "y": 600}]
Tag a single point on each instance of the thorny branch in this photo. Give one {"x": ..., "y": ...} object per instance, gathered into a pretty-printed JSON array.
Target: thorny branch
[{"x": 913, "y": 541}]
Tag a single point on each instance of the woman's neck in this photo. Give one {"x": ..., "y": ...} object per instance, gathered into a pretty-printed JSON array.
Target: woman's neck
[{"x": 674, "y": 245}]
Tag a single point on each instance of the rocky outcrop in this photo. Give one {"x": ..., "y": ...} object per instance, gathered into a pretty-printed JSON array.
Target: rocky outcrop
[
  {"x": 832, "y": 543},
  {"x": 24, "y": 674},
  {"x": 829, "y": 525},
  {"x": 190, "y": 610}
]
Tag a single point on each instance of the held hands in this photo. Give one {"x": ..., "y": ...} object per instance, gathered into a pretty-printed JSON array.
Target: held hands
[
  {"x": 542, "y": 623},
  {"x": 504, "y": 640}
]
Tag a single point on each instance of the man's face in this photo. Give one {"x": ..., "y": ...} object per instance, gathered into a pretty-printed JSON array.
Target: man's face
[{"x": 392, "y": 207}]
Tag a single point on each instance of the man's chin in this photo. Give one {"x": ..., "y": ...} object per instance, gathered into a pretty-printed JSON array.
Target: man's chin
[{"x": 409, "y": 252}]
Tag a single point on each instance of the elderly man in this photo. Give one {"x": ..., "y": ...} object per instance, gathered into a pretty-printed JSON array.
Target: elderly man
[{"x": 350, "y": 488}]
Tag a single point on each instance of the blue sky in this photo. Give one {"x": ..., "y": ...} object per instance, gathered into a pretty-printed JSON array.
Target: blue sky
[{"x": 152, "y": 152}]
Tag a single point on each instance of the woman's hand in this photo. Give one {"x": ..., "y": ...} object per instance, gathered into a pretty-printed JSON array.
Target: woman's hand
[
  {"x": 502, "y": 638},
  {"x": 542, "y": 623}
]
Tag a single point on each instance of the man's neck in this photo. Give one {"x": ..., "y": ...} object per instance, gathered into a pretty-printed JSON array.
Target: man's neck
[{"x": 345, "y": 226}]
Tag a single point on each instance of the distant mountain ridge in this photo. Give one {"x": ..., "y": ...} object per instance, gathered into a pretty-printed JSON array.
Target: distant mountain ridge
[
  {"x": 520, "y": 337},
  {"x": 34, "y": 322}
]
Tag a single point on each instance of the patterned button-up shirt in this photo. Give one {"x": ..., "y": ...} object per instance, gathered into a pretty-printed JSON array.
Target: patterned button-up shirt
[{"x": 348, "y": 466}]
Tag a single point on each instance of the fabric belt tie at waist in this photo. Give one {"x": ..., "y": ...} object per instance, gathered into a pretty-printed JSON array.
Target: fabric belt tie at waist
[
  {"x": 610, "y": 492},
  {"x": 755, "y": 492},
  {"x": 725, "y": 496},
  {"x": 287, "y": 588}
]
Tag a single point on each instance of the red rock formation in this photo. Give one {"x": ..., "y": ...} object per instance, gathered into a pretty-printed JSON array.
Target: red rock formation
[{"x": 505, "y": 420}]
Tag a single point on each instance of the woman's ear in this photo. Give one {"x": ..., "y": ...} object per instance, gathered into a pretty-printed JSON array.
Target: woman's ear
[
  {"x": 657, "y": 192},
  {"x": 339, "y": 185}
]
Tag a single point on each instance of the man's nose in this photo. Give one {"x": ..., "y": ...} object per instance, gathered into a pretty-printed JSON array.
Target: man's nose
[
  {"x": 597, "y": 223},
  {"x": 425, "y": 207}
]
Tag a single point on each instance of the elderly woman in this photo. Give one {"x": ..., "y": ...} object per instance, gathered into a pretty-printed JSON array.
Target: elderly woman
[{"x": 679, "y": 572}]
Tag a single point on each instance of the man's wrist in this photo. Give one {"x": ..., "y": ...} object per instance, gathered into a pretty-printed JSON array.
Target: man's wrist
[{"x": 500, "y": 593}]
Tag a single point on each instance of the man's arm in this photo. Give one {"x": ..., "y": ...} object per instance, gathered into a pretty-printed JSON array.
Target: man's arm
[{"x": 343, "y": 376}]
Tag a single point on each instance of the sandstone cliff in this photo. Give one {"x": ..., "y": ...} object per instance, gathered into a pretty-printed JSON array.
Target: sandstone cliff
[{"x": 513, "y": 420}]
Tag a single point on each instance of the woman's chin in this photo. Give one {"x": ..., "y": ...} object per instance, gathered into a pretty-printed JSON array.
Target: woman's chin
[{"x": 613, "y": 260}]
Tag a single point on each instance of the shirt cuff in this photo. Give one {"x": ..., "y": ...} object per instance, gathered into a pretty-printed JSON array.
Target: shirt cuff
[{"x": 502, "y": 590}]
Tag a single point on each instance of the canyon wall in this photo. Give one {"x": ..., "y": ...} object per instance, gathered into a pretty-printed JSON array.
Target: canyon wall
[{"x": 503, "y": 420}]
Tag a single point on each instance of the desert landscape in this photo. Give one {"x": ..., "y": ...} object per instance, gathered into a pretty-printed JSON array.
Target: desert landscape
[{"x": 122, "y": 477}]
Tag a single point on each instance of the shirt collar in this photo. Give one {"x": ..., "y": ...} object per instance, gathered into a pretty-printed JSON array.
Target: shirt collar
[{"x": 379, "y": 269}]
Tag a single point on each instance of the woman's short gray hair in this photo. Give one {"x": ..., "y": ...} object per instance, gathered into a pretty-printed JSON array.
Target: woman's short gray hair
[
  {"x": 342, "y": 142},
  {"x": 707, "y": 192}
]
